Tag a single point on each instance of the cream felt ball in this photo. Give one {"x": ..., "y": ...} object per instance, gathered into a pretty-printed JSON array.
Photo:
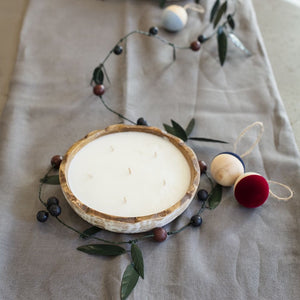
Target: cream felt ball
[
  {"x": 174, "y": 18},
  {"x": 226, "y": 167},
  {"x": 251, "y": 190}
]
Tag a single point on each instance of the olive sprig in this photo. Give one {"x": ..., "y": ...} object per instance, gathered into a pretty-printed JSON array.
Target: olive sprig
[{"x": 223, "y": 30}]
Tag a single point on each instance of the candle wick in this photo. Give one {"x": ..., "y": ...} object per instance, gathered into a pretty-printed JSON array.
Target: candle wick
[
  {"x": 155, "y": 154},
  {"x": 112, "y": 149},
  {"x": 129, "y": 170},
  {"x": 125, "y": 200},
  {"x": 164, "y": 182}
]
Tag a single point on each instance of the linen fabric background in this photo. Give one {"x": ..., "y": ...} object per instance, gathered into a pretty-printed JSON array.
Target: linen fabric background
[{"x": 238, "y": 253}]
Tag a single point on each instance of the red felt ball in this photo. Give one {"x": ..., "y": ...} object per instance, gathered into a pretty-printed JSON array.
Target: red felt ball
[{"x": 251, "y": 190}]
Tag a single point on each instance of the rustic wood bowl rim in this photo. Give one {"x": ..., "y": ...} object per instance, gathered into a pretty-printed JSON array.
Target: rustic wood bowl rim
[{"x": 77, "y": 205}]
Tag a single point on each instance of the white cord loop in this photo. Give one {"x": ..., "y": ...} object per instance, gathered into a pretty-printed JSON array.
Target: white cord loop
[
  {"x": 283, "y": 185},
  {"x": 260, "y": 124},
  {"x": 195, "y": 7}
]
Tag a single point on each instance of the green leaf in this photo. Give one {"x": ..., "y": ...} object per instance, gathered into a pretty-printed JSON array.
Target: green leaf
[
  {"x": 207, "y": 140},
  {"x": 190, "y": 127},
  {"x": 162, "y": 3},
  {"x": 138, "y": 260},
  {"x": 169, "y": 129},
  {"x": 98, "y": 76},
  {"x": 102, "y": 249},
  {"x": 214, "y": 10},
  {"x": 179, "y": 131},
  {"x": 230, "y": 21},
  {"x": 215, "y": 196},
  {"x": 222, "y": 45},
  {"x": 129, "y": 281},
  {"x": 220, "y": 13},
  {"x": 53, "y": 179},
  {"x": 90, "y": 231}
]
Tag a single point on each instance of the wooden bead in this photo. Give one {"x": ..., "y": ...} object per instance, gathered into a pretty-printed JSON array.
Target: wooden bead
[
  {"x": 174, "y": 18},
  {"x": 251, "y": 190},
  {"x": 226, "y": 168},
  {"x": 99, "y": 89},
  {"x": 195, "y": 45}
]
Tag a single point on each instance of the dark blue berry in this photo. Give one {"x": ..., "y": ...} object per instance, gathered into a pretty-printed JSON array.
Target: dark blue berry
[
  {"x": 196, "y": 221},
  {"x": 54, "y": 210},
  {"x": 142, "y": 121},
  {"x": 118, "y": 50},
  {"x": 202, "y": 195},
  {"x": 202, "y": 38},
  {"x": 42, "y": 216},
  {"x": 153, "y": 30},
  {"x": 52, "y": 200}
]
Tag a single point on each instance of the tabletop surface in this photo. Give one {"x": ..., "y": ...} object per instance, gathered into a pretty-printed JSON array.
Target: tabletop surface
[{"x": 48, "y": 104}]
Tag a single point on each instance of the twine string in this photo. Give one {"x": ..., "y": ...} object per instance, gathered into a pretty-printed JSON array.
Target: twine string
[
  {"x": 195, "y": 7},
  {"x": 284, "y": 186},
  {"x": 257, "y": 123}
]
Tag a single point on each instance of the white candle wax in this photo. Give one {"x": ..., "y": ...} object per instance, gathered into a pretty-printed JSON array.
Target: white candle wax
[{"x": 129, "y": 174}]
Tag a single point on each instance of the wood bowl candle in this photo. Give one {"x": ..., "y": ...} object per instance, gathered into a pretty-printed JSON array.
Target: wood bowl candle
[{"x": 129, "y": 178}]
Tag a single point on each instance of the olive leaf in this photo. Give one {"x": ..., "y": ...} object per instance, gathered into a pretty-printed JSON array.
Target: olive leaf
[
  {"x": 129, "y": 281},
  {"x": 190, "y": 127},
  {"x": 138, "y": 260},
  {"x": 231, "y": 21},
  {"x": 53, "y": 179},
  {"x": 98, "y": 75},
  {"x": 215, "y": 196},
  {"x": 200, "y": 139},
  {"x": 214, "y": 10},
  {"x": 89, "y": 232},
  {"x": 222, "y": 44},
  {"x": 180, "y": 132},
  {"x": 169, "y": 129},
  {"x": 102, "y": 249},
  {"x": 162, "y": 3},
  {"x": 220, "y": 13},
  {"x": 176, "y": 130}
]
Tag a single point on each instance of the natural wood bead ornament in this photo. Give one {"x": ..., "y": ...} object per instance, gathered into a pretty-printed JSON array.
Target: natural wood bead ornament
[
  {"x": 226, "y": 167},
  {"x": 175, "y": 17}
]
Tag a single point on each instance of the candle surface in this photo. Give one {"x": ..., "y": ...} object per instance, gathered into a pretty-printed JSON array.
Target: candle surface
[{"x": 129, "y": 174}]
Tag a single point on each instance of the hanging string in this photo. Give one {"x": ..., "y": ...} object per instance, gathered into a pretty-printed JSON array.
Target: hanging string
[
  {"x": 196, "y": 7},
  {"x": 260, "y": 124},
  {"x": 283, "y": 185}
]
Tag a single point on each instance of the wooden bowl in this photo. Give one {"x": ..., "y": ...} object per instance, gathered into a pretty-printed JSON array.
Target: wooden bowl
[{"x": 125, "y": 224}]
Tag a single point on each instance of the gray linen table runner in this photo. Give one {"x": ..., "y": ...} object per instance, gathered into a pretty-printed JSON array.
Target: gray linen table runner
[{"x": 237, "y": 253}]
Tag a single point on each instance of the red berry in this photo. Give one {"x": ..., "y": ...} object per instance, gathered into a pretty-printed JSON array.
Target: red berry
[
  {"x": 56, "y": 161},
  {"x": 195, "y": 45},
  {"x": 160, "y": 234},
  {"x": 99, "y": 89},
  {"x": 203, "y": 166}
]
